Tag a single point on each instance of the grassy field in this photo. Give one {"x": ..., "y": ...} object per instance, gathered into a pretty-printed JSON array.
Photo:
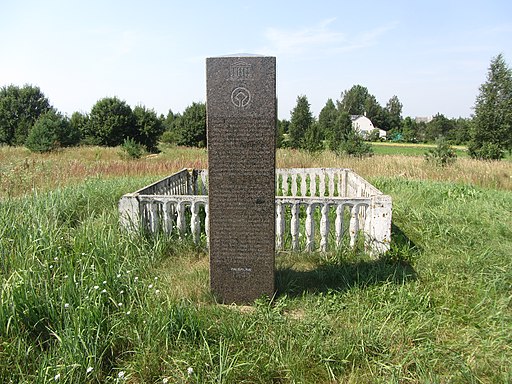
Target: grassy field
[
  {"x": 406, "y": 149},
  {"x": 82, "y": 301}
]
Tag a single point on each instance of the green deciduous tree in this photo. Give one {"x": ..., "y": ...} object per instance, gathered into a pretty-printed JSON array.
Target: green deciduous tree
[
  {"x": 439, "y": 126},
  {"x": 148, "y": 127},
  {"x": 19, "y": 110},
  {"x": 353, "y": 101},
  {"x": 358, "y": 101},
  {"x": 461, "y": 131},
  {"x": 300, "y": 122},
  {"x": 110, "y": 122},
  {"x": 51, "y": 131},
  {"x": 408, "y": 131},
  {"x": 191, "y": 126},
  {"x": 492, "y": 128},
  {"x": 80, "y": 123}
]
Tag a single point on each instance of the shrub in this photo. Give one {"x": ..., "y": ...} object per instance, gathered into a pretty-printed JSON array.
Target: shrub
[
  {"x": 355, "y": 146},
  {"x": 132, "y": 149},
  {"x": 442, "y": 155},
  {"x": 169, "y": 137}
]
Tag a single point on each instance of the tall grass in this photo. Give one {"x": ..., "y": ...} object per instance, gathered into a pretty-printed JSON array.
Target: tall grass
[
  {"x": 22, "y": 172},
  {"x": 82, "y": 301}
]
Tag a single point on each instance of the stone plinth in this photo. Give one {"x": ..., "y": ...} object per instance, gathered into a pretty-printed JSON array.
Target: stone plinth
[{"x": 241, "y": 119}]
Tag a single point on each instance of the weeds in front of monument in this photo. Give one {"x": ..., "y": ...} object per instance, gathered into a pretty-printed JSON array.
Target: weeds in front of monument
[{"x": 340, "y": 317}]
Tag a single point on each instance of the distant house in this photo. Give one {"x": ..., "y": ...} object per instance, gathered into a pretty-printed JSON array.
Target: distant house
[
  {"x": 364, "y": 126},
  {"x": 423, "y": 119}
]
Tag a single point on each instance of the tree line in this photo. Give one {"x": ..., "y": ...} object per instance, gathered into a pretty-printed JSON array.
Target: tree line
[
  {"x": 488, "y": 134},
  {"x": 27, "y": 118}
]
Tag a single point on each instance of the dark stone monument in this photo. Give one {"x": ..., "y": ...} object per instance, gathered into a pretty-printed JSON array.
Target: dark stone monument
[{"x": 241, "y": 121}]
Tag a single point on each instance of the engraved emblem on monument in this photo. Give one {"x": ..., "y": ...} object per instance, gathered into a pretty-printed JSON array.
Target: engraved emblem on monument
[
  {"x": 240, "y": 70},
  {"x": 240, "y": 97}
]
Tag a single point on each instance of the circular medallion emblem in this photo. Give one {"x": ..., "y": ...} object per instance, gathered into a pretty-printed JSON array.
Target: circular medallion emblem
[{"x": 240, "y": 97}]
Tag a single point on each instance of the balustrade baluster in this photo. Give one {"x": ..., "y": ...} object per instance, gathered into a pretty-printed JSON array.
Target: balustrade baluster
[
  {"x": 367, "y": 228},
  {"x": 310, "y": 228},
  {"x": 167, "y": 217},
  {"x": 354, "y": 224},
  {"x": 312, "y": 184},
  {"x": 331, "y": 184},
  {"x": 195, "y": 225},
  {"x": 324, "y": 227},
  {"x": 153, "y": 213},
  {"x": 180, "y": 219},
  {"x": 279, "y": 226},
  {"x": 294, "y": 185},
  {"x": 303, "y": 185},
  {"x": 338, "y": 224},
  {"x": 294, "y": 226},
  {"x": 204, "y": 190},
  {"x": 284, "y": 183},
  {"x": 322, "y": 185}
]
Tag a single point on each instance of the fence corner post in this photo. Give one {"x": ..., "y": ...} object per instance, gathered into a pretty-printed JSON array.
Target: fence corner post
[
  {"x": 380, "y": 229},
  {"x": 129, "y": 212}
]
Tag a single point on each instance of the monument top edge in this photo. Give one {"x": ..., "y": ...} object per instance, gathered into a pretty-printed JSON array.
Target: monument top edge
[{"x": 242, "y": 55}]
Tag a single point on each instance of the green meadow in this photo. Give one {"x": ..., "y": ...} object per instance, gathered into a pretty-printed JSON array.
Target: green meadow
[{"x": 84, "y": 302}]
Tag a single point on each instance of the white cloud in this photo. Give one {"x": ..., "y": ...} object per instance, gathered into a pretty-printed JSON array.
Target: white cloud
[
  {"x": 299, "y": 41},
  {"x": 320, "y": 39}
]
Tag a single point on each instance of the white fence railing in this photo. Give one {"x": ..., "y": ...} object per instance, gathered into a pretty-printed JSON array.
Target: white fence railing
[{"x": 316, "y": 209}]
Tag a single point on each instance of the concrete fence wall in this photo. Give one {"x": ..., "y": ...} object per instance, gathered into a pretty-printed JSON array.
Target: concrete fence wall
[{"x": 316, "y": 209}]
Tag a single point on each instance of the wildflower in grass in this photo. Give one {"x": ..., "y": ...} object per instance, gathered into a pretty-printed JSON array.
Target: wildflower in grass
[
  {"x": 120, "y": 374},
  {"x": 121, "y": 292},
  {"x": 104, "y": 291},
  {"x": 157, "y": 291},
  {"x": 136, "y": 278},
  {"x": 89, "y": 370},
  {"x": 156, "y": 278},
  {"x": 51, "y": 266},
  {"x": 96, "y": 287},
  {"x": 55, "y": 259},
  {"x": 119, "y": 304},
  {"x": 118, "y": 275},
  {"x": 56, "y": 377},
  {"x": 150, "y": 286},
  {"x": 66, "y": 276},
  {"x": 66, "y": 305},
  {"x": 165, "y": 380},
  {"x": 104, "y": 282},
  {"x": 128, "y": 313},
  {"x": 190, "y": 371},
  {"x": 83, "y": 253}
]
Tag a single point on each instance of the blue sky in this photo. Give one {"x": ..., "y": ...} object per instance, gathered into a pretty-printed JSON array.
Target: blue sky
[{"x": 432, "y": 54}]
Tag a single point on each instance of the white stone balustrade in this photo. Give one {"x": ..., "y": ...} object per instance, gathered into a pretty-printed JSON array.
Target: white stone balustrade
[{"x": 316, "y": 209}]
